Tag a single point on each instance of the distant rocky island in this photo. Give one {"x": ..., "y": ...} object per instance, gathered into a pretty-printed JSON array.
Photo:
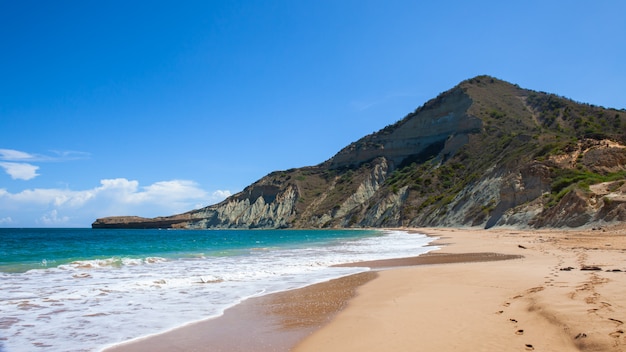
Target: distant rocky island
[{"x": 485, "y": 153}]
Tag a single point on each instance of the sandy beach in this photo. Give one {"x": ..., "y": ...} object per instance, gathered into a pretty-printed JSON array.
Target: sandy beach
[{"x": 485, "y": 290}]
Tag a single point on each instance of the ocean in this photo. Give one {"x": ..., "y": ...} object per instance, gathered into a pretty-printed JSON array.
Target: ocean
[{"x": 86, "y": 289}]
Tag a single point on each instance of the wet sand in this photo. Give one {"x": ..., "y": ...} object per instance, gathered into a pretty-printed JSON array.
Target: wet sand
[
  {"x": 559, "y": 291},
  {"x": 274, "y": 322}
]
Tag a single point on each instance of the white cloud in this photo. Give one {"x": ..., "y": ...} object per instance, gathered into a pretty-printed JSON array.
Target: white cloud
[
  {"x": 6, "y": 220},
  {"x": 214, "y": 198},
  {"x": 14, "y": 162},
  {"x": 58, "y": 155},
  {"x": 39, "y": 196},
  {"x": 120, "y": 196},
  {"x": 20, "y": 171},
  {"x": 66, "y": 155},
  {"x": 220, "y": 195},
  {"x": 52, "y": 218},
  {"x": 10, "y": 154},
  {"x": 164, "y": 192}
]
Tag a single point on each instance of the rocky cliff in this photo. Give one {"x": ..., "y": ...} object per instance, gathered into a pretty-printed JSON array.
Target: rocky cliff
[{"x": 485, "y": 153}]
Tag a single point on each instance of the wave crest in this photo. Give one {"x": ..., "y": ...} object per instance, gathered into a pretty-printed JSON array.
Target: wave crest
[{"x": 112, "y": 262}]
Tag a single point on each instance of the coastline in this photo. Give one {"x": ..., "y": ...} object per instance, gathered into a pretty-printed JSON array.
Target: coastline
[
  {"x": 539, "y": 300},
  {"x": 273, "y": 322}
]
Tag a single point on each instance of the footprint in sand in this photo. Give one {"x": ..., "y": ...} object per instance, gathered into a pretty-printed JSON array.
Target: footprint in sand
[
  {"x": 617, "y": 333},
  {"x": 529, "y": 347},
  {"x": 519, "y": 332},
  {"x": 513, "y": 320},
  {"x": 535, "y": 289}
]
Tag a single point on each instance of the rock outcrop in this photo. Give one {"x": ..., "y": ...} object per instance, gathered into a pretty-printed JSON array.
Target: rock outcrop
[{"x": 485, "y": 153}]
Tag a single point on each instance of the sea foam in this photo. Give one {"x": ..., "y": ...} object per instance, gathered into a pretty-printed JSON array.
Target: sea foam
[{"x": 88, "y": 304}]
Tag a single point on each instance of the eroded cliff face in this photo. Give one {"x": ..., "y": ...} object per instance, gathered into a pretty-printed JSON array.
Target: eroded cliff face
[
  {"x": 260, "y": 206},
  {"x": 486, "y": 153},
  {"x": 343, "y": 214}
]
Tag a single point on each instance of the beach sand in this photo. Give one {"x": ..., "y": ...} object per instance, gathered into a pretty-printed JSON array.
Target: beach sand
[
  {"x": 542, "y": 302},
  {"x": 463, "y": 297}
]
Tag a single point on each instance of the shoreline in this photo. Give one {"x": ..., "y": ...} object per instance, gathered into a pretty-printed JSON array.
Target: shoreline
[
  {"x": 287, "y": 317},
  {"x": 562, "y": 291},
  {"x": 272, "y": 322}
]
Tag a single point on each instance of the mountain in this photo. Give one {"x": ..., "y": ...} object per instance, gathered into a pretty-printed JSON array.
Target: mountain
[{"x": 484, "y": 153}]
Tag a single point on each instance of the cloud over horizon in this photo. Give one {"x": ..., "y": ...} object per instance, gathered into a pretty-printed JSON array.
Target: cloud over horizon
[
  {"x": 58, "y": 207},
  {"x": 119, "y": 196}
]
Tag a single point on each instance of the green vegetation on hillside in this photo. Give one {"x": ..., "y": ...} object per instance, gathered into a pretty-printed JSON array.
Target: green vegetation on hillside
[
  {"x": 519, "y": 128},
  {"x": 565, "y": 180}
]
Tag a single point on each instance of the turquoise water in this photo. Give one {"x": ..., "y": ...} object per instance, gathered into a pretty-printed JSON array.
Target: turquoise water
[
  {"x": 26, "y": 249},
  {"x": 85, "y": 289}
]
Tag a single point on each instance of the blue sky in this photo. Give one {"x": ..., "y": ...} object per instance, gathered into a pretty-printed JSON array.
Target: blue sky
[{"x": 158, "y": 107}]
